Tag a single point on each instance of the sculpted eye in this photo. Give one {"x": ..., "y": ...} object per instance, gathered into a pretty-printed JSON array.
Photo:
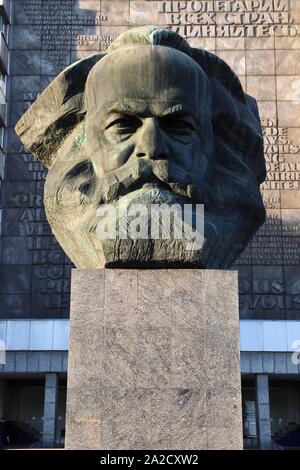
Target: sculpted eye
[
  {"x": 177, "y": 125},
  {"x": 125, "y": 125}
]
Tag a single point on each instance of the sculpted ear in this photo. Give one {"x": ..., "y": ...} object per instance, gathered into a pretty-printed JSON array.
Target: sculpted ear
[{"x": 57, "y": 112}]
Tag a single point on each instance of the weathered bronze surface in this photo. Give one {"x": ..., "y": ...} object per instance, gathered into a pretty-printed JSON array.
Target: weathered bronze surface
[{"x": 154, "y": 121}]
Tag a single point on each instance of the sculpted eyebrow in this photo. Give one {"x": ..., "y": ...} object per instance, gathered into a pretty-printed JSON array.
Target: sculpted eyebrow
[
  {"x": 172, "y": 111},
  {"x": 182, "y": 114},
  {"x": 122, "y": 108},
  {"x": 179, "y": 109},
  {"x": 169, "y": 112}
]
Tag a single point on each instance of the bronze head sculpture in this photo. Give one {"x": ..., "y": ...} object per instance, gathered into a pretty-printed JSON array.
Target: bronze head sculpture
[{"x": 152, "y": 121}]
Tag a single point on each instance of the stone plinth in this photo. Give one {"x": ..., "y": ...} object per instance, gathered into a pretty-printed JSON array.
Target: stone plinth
[{"x": 154, "y": 360}]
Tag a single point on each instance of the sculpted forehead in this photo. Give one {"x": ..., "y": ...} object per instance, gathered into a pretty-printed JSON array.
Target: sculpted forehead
[{"x": 153, "y": 73}]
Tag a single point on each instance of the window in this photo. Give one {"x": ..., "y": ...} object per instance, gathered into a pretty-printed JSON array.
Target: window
[
  {"x": 1, "y": 137},
  {"x": 2, "y": 87},
  {"x": 4, "y": 28}
]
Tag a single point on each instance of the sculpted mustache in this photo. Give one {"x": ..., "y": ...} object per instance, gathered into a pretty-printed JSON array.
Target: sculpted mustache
[{"x": 132, "y": 176}]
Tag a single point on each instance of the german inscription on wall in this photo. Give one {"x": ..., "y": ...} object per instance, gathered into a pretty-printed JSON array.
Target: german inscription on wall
[{"x": 260, "y": 39}]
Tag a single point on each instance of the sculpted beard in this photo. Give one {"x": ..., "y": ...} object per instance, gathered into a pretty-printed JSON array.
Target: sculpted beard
[
  {"x": 79, "y": 194},
  {"x": 142, "y": 181}
]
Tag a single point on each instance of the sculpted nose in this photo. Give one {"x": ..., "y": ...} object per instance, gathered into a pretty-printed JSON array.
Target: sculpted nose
[{"x": 151, "y": 142}]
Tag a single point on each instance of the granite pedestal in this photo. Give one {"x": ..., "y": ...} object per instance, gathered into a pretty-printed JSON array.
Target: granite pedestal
[{"x": 154, "y": 360}]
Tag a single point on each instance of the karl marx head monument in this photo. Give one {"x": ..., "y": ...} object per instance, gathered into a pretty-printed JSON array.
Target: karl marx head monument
[{"x": 152, "y": 122}]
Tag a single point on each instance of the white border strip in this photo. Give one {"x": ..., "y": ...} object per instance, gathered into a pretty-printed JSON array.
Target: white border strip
[
  {"x": 35, "y": 335},
  {"x": 53, "y": 335},
  {"x": 269, "y": 335}
]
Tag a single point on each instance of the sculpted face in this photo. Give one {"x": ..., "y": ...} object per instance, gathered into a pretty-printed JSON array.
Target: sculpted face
[
  {"x": 153, "y": 106},
  {"x": 144, "y": 133},
  {"x": 151, "y": 129}
]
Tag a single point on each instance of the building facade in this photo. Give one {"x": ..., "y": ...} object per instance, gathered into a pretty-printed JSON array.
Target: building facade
[{"x": 260, "y": 40}]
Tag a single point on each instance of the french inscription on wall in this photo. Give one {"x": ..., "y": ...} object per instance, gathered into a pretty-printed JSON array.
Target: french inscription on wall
[{"x": 258, "y": 38}]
